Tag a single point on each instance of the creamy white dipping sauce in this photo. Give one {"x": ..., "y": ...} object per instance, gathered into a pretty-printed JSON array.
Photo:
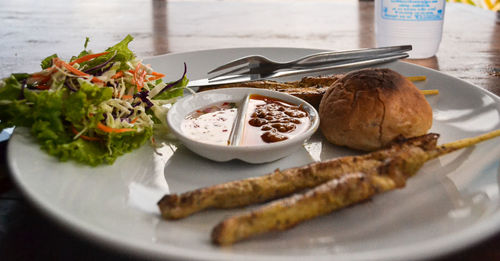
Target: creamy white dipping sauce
[{"x": 212, "y": 124}]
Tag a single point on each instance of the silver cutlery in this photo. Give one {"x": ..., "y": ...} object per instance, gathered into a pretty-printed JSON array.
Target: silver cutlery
[
  {"x": 258, "y": 64},
  {"x": 348, "y": 63}
]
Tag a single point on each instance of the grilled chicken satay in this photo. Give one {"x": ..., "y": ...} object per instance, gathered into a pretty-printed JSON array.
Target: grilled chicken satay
[
  {"x": 280, "y": 183},
  {"x": 346, "y": 190},
  {"x": 337, "y": 193}
]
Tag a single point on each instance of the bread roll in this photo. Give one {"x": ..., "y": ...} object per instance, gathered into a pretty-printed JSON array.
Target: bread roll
[{"x": 367, "y": 109}]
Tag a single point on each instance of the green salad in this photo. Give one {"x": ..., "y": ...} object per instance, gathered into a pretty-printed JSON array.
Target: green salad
[{"x": 93, "y": 108}]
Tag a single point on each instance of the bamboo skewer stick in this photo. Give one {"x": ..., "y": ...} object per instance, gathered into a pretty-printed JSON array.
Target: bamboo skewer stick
[{"x": 466, "y": 142}]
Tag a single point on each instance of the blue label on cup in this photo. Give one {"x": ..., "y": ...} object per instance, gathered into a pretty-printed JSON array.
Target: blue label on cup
[{"x": 413, "y": 10}]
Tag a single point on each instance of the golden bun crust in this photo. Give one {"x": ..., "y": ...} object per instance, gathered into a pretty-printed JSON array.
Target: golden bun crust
[{"x": 367, "y": 109}]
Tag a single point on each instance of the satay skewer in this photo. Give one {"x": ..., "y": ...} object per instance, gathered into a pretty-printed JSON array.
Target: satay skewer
[
  {"x": 337, "y": 193},
  {"x": 280, "y": 183}
]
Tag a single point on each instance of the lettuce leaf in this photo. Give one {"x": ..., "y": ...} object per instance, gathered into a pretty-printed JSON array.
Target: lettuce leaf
[
  {"x": 82, "y": 53},
  {"x": 123, "y": 54},
  {"x": 87, "y": 40},
  {"x": 174, "y": 91},
  {"x": 13, "y": 112},
  {"x": 51, "y": 115},
  {"x": 95, "y": 153},
  {"x": 77, "y": 104},
  {"x": 21, "y": 76},
  {"x": 47, "y": 109},
  {"x": 47, "y": 62},
  {"x": 86, "y": 152},
  {"x": 11, "y": 89}
]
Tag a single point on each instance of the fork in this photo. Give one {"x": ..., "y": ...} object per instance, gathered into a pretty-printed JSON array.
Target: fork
[{"x": 258, "y": 64}]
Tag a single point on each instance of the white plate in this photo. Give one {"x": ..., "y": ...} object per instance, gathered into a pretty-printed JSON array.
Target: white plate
[{"x": 451, "y": 203}]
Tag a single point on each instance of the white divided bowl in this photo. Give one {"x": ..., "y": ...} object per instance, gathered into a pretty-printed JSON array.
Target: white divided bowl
[{"x": 248, "y": 153}]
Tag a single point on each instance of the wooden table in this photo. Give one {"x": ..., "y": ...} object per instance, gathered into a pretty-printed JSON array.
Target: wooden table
[{"x": 32, "y": 30}]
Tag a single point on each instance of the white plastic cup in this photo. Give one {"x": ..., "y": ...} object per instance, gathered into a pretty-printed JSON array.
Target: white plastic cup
[{"x": 415, "y": 22}]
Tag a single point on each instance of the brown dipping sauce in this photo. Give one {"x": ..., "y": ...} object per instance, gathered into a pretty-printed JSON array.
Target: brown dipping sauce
[{"x": 271, "y": 120}]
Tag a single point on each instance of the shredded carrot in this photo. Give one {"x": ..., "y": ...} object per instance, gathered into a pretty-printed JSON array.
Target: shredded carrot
[
  {"x": 117, "y": 75},
  {"x": 136, "y": 80},
  {"x": 110, "y": 130},
  {"x": 126, "y": 96},
  {"x": 154, "y": 78},
  {"x": 60, "y": 63},
  {"x": 43, "y": 87},
  {"x": 83, "y": 136},
  {"x": 41, "y": 78},
  {"x": 139, "y": 75},
  {"x": 96, "y": 80},
  {"x": 134, "y": 120},
  {"x": 89, "y": 138},
  {"x": 158, "y": 74},
  {"x": 87, "y": 57},
  {"x": 45, "y": 73},
  {"x": 142, "y": 78}
]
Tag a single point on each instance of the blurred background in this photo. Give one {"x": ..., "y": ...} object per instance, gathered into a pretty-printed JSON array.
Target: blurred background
[{"x": 493, "y": 5}]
